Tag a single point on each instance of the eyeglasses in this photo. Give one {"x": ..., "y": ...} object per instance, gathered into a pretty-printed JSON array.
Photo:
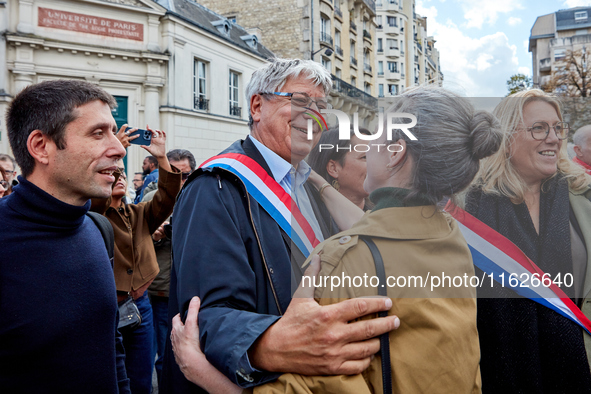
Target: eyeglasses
[
  {"x": 4, "y": 184},
  {"x": 185, "y": 176},
  {"x": 539, "y": 130},
  {"x": 300, "y": 99}
]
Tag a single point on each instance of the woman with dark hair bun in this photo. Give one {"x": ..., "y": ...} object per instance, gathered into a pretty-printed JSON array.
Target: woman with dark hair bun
[{"x": 342, "y": 166}]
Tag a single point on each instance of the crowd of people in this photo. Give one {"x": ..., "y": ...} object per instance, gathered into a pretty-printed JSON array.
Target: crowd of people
[{"x": 96, "y": 292}]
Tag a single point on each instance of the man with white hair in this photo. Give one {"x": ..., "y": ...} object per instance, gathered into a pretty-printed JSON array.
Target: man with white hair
[
  {"x": 582, "y": 141},
  {"x": 238, "y": 221}
]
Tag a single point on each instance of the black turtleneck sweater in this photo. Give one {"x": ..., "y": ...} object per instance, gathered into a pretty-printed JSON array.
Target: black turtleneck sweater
[{"x": 58, "y": 307}]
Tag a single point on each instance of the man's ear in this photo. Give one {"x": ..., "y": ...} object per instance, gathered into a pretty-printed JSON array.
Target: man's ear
[
  {"x": 256, "y": 102},
  {"x": 332, "y": 168},
  {"x": 396, "y": 153},
  {"x": 40, "y": 146},
  {"x": 578, "y": 152}
]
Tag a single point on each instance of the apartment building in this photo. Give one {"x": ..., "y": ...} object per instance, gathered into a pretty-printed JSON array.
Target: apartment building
[
  {"x": 340, "y": 34},
  {"x": 553, "y": 35},
  {"x": 405, "y": 55}
]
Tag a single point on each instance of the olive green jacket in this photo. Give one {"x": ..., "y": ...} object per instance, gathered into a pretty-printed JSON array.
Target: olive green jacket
[
  {"x": 435, "y": 349},
  {"x": 581, "y": 205}
]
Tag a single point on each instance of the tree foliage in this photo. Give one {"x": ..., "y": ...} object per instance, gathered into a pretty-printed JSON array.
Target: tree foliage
[
  {"x": 518, "y": 82},
  {"x": 570, "y": 80},
  {"x": 570, "y": 76}
]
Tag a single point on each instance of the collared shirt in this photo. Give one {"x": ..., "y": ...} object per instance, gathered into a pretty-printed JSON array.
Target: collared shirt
[{"x": 292, "y": 180}]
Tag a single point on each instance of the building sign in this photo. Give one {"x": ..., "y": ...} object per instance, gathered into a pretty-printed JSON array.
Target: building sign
[{"x": 90, "y": 24}]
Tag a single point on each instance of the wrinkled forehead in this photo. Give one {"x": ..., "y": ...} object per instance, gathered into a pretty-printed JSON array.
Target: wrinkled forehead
[{"x": 6, "y": 165}]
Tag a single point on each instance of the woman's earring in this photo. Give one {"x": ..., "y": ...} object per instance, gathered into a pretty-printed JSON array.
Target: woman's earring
[{"x": 335, "y": 184}]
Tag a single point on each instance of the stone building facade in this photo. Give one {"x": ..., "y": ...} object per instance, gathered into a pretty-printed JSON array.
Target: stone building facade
[
  {"x": 340, "y": 34},
  {"x": 173, "y": 65}
]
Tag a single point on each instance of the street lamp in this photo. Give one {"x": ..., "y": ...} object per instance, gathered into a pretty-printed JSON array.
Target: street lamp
[{"x": 328, "y": 52}]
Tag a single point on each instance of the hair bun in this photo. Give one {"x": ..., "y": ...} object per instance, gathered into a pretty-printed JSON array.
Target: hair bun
[{"x": 485, "y": 135}]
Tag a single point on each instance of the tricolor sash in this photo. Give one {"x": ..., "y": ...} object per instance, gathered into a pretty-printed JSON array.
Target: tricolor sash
[
  {"x": 496, "y": 255},
  {"x": 271, "y": 196}
]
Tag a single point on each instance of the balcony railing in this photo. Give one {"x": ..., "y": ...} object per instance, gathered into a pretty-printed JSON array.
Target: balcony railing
[
  {"x": 325, "y": 37},
  {"x": 371, "y": 4},
  {"x": 420, "y": 47},
  {"x": 416, "y": 58},
  {"x": 353, "y": 26},
  {"x": 380, "y": 50},
  {"x": 338, "y": 12},
  {"x": 338, "y": 50},
  {"x": 201, "y": 103},
  {"x": 353, "y": 61},
  {"x": 235, "y": 110},
  {"x": 367, "y": 67},
  {"x": 351, "y": 91},
  {"x": 366, "y": 34},
  {"x": 380, "y": 73}
]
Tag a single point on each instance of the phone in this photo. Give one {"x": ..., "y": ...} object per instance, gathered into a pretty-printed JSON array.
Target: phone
[{"x": 145, "y": 137}]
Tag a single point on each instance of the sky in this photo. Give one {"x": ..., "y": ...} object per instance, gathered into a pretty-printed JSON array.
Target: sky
[{"x": 483, "y": 42}]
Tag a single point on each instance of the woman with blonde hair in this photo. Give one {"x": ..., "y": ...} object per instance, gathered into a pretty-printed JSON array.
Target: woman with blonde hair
[{"x": 531, "y": 193}]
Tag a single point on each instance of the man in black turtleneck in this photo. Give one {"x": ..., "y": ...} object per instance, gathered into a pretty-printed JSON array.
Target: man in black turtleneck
[{"x": 58, "y": 306}]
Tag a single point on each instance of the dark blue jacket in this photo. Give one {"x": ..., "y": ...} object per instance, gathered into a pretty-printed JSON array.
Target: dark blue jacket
[
  {"x": 232, "y": 254},
  {"x": 58, "y": 305}
]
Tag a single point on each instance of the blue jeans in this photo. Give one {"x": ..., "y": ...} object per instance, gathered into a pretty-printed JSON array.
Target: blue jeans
[
  {"x": 139, "y": 349},
  {"x": 160, "y": 309}
]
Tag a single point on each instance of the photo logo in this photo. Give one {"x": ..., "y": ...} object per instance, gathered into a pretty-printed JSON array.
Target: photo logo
[
  {"x": 345, "y": 124},
  {"x": 317, "y": 117}
]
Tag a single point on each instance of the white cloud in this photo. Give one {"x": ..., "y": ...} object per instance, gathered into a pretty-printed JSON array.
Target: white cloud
[
  {"x": 487, "y": 11},
  {"x": 513, "y": 21},
  {"x": 526, "y": 45},
  {"x": 475, "y": 67},
  {"x": 524, "y": 71},
  {"x": 576, "y": 3}
]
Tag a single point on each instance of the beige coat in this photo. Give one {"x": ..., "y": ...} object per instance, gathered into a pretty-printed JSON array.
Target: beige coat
[
  {"x": 582, "y": 208},
  {"x": 435, "y": 349}
]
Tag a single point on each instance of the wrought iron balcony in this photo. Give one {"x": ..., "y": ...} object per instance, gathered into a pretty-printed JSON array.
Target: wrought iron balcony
[
  {"x": 366, "y": 34},
  {"x": 338, "y": 12},
  {"x": 201, "y": 103},
  {"x": 353, "y": 61},
  {"x": 326, "y": 38},
  {"x": 338, "y": 50},
  {"x": 349, "y": 90},
  {"x": 353, "y": 26},
  {"x": 367, "y": 67},
  {"x": 371, "y": 4},
  {"x": 235, "y": 110}
]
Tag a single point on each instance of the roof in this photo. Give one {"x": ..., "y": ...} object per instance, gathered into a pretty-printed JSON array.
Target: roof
[
  {"x": 206, "y": 19},
  {"x": 565, "y": 19}
]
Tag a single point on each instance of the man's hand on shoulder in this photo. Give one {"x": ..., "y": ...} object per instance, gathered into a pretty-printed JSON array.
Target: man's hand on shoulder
[{"x": 319, "y": 340}]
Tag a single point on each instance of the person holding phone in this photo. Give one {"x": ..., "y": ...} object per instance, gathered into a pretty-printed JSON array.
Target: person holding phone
[{"x": 135, "y": 258}]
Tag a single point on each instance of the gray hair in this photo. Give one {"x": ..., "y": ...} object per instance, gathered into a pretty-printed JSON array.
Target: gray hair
[
  {"x": 5, "y": 157},
  {"x": 180, "y": 155},
  {"x": 451, "y": 139},
  {"x": 272, "y": 76},
  {"x": 582, "y": 135}
]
